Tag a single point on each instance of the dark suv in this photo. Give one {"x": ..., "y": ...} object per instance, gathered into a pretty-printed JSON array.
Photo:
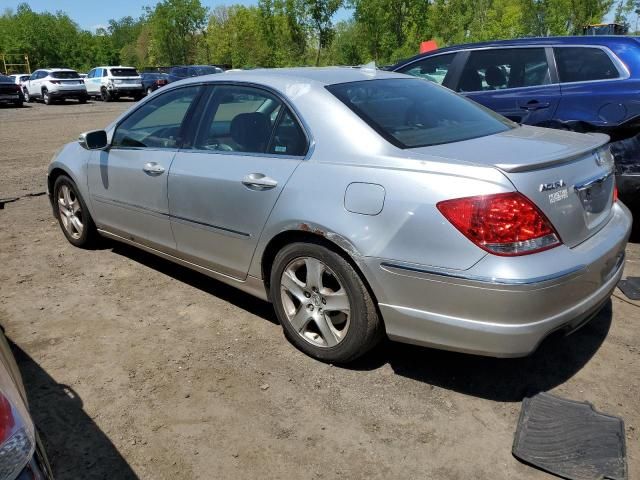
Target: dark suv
[
  {"x": 585, "y": 84},
  {"x": 180, "y": 72}
]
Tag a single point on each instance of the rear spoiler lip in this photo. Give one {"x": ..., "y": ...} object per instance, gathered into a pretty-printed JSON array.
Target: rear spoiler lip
[{"x": 600, "y": 140}]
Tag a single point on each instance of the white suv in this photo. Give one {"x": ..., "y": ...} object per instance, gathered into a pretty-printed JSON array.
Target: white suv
[
  {"x": 111, "y": 83},
  {"x": 52, "y": 84}
]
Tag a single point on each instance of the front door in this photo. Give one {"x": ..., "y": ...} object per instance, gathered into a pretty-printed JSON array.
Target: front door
[
  {"x": 128, "y": 181},
  {"x": 515, "y": 82},
  {"x": 222, "y": 190}
]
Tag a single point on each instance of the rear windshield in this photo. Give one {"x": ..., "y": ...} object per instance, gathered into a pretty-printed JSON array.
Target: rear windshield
[
  {"x": 4, "y": 79},
  {"x": 124, "y": 72},
  {"x": 65, "y": 74},
  {"x": 413, "y": 113}
]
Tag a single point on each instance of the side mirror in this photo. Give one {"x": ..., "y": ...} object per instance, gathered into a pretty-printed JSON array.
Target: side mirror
[{"x": 93, "y": 140}]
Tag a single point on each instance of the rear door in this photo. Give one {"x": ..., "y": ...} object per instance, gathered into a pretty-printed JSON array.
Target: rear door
[
  {"x": 515, "y": 82},
  {"x": 223, "y": 188},
  {"x": 591, "y": 88},
  {"x": 128, "y": 181}
]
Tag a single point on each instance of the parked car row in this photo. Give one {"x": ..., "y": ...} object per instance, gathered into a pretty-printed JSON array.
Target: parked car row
[{"x": 106, "y": 83}]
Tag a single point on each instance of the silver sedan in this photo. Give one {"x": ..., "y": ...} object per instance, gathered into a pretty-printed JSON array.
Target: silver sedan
[{"x": 361, "y": 204}]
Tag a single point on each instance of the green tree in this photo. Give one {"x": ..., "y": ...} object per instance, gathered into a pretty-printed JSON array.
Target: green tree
[
  {"x": 176, "y": 27},
  {"x": 320, "y": 14}
]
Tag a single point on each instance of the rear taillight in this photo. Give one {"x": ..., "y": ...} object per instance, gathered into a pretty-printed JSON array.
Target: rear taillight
[
  {"x": 16, "y": 88},
  {"x": 16, "y": 440},
  {"x": 615, "y": 193},
  {"x": 506, "y": 224}
]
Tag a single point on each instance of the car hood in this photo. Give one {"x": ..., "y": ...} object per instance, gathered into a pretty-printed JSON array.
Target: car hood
[{"x": 519, "y": 149}]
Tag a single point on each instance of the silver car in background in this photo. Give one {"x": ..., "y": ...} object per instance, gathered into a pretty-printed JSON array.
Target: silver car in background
[{"x": 360, "y": 203}]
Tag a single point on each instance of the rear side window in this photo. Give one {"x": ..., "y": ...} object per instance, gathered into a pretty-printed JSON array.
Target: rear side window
[
  {"x": 288, "y": 138},
  {"x": 434, "y": 69},
  {"x": 502, "y": 68},
  {"x": 66, "y": 74},
  {"x": 238, "y": 119},
  {"x": 124, "y": 72},
  {"x": 413, "y": 113},
  {"x": 583, "y": 64}
]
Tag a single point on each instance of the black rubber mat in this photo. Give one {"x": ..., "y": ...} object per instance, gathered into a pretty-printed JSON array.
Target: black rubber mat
[
  {"x": 630, "y": 287},
  {"x": 570, "y": 439}
]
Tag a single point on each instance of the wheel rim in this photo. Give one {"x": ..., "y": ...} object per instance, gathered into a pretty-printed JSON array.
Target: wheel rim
[
  {"x": 45, "y": 97},
  {"x": 70, "y": 212},
  {"x": 26, "y": 95},
  {"x": 315, "y": 303}
]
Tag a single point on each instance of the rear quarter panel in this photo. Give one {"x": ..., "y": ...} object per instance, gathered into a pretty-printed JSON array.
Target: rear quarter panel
[{"x": 409, "y": 228}]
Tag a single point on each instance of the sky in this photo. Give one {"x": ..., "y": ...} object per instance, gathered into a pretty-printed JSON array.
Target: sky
[{"x": 93, "y": 14}]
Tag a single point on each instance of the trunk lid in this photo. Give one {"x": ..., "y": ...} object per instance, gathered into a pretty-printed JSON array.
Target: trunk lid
[{"x": 563, "y": 173}]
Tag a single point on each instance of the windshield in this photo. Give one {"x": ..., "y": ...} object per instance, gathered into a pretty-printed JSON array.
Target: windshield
[
  {"x": 413, "y": 113},
  {"x": 65, "y": 74},
  {"x": 124, "y": 72}
]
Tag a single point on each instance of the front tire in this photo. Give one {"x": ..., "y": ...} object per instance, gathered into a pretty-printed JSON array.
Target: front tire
[
  {"x": 27, "y": 98},
  {"x": 323, "y": 305},
  {"x": 72, "y": 213}
]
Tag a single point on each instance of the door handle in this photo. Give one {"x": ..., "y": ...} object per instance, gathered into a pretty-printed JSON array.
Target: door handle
[
  {"x": 259, "y": 181},
  {"x": 153, "y": 168},
  {"x": 534, "y": 105}
]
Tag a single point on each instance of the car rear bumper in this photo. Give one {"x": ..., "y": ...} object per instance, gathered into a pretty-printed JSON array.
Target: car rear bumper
[
  {"x": 75, "y": 93},
  {"x": 503, "y": 306},
  {"x": 11, "y": 97}
]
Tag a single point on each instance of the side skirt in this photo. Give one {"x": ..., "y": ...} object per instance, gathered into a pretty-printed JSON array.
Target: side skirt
[{"x": 252, "y": 285}]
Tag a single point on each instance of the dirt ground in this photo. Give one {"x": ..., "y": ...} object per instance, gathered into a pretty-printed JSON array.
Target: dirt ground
[{"x": 137, "y": 368}]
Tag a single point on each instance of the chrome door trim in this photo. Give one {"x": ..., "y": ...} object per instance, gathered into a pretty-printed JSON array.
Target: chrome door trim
[
  {"x": 139, "y": 208},
  {"x": 562, "y": 275}
]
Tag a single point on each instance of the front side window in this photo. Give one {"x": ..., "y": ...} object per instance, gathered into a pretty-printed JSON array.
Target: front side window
[
  {"x": 498, "y": 69},
  {"x": 583, "y": 64},
  {"x": 238, "y": 119},
  {"x": 413, "y": 113},
  {"x": 434, "y": 69},
  {"x": 158, "y": 122}
]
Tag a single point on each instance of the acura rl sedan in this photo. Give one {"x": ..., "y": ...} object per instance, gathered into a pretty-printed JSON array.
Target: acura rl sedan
[{"x": 361, "y": 204}]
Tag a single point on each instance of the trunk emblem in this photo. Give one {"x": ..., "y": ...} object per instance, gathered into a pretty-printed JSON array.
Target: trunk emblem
[{"x": 545, "y": 187}]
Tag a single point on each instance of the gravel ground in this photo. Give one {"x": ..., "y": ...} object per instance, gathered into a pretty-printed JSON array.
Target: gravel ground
[{"x": 137, "y": 368}]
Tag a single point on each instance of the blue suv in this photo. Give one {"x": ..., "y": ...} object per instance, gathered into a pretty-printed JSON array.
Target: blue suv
[{"x": 585, "y": 84}]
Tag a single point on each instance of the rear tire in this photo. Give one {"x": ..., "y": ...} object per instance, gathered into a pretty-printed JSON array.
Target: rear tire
[
  {"x": 82, "y": 100},
  {"x": 46, "y": 98},
  {"x": 106, "y": 95},
  {"x": 72, "y": 214},
  {"x": 331, "y": 315},
  {"x": 18, "y": 104}
]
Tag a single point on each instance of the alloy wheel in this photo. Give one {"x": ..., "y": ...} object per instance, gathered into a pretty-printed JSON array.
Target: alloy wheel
[
  {"x": 70, "y": 212},
  {"x": 315, "y": 303}
]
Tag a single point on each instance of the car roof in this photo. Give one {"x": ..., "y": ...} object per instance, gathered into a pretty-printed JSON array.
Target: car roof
[
  {"x": 317, "y": 75},
  {"x": 599, "y": 40}
]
